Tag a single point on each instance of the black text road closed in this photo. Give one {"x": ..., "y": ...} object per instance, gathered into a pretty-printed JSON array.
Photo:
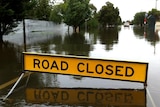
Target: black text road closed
[{"x": 82, "y": 66}]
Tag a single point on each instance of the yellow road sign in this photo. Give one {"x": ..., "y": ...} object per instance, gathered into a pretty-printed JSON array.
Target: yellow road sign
[
  {"x": 83, "y": 66},
  {"x": 87, "y": 97}
]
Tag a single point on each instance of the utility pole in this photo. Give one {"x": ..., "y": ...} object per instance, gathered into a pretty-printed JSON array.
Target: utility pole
[{"x": 156, "y": 4}]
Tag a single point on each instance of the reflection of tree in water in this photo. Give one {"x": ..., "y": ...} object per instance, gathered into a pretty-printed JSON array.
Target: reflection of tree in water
[
  {"x": 56, "y": 41},
  {"x": 150, "y": 34},
  {"x": 10, "y": 61},
  {"x": 43, "y": 80},
  {"x": 76, "y": 44},
  {"x": 58, "y": 44},
  {"x": 152, "y": 37},
  {"x": 138, "y": 31},
  {"x": 109, "y": 37}
]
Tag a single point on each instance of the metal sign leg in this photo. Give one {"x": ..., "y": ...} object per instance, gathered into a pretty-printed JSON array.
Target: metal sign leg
[{"x": 14, "y": 86}]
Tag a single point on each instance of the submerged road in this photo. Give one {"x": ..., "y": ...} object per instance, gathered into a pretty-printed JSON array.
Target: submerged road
[{"x": 129, "y": 44}]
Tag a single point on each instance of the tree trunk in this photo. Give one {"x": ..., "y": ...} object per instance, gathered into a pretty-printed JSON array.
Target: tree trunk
[
  {"x": 1, "y": 38},
  {"x": 76, "y": 29},
  {"x": 1, "y": 34},
  {"x": 1, "y": 46}
]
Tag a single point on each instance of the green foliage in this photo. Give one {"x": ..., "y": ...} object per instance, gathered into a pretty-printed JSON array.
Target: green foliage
[
  {"x": 55, "y": 14},
  {"x": 155, "y": 13},
  {"x": 10, "y": 11},
  {"x": 93, "y": 23},
  {"x": 39, "y": 9},
  {"x": 31, "y": 9},
  {"x": 139, "y": 18},
  {"x": 43, "y": 9},
  {"x": 108, "y": 15},
  {"x": 77, "y": 11}
]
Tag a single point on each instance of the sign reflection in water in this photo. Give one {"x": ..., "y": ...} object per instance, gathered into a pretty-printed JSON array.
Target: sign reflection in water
[{"x": 86, "y": 97}]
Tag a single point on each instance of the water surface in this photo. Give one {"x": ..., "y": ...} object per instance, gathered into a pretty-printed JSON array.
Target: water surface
[{"x": 121, "y": 43}]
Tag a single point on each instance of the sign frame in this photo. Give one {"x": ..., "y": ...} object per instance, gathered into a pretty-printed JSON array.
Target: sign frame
[{"x": 84, "y": 58}]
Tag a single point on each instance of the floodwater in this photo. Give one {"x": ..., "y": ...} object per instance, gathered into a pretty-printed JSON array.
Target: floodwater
[{"x": 44, "y": 89}]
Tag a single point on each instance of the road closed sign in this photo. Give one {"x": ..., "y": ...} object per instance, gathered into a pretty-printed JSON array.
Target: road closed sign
[{"x": 83, "y": 66}]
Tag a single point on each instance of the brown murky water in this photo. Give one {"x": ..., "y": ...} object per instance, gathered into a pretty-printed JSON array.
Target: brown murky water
[{"x": 42, "y": 89}]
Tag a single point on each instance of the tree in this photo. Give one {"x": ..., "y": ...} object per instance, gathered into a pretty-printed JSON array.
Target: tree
[
  {"x": 139, "y": 18},
  {"x": 57, "y": 12},
  {"x": 108, "y": 15},
  {"x": 77, "y": 11},
  {"x": 155, "y": 13},
  {"x": 93, "y": 21},
  {"x": 31, "y": 9},
  {"x": 10, "y": 12},
  {"x": 43, "y": 9}
]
